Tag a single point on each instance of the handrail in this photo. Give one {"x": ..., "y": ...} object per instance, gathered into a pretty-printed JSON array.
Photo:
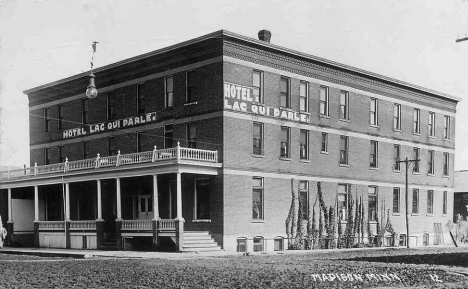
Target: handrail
[
  {"x": 51, "y": 225},
  {"x": 167, "y": 225},
  {"x": 177, "y": 153},
  {"x": 83, "y": 225},
  {"x": 137, "y": 225}
]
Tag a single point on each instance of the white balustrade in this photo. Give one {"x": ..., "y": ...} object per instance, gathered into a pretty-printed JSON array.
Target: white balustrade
[
  {"x": 137, "y": 225},
  {"x": 81, "y": 165},
  {"x": 51, "y": 225},
  {"x": 48, "y": 169},
  {"x": 83, "y": 225},
  {"x": 167, "y": 225}
]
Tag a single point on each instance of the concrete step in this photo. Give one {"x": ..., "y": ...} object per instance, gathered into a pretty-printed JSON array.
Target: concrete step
[
  {"x": 198, "y": 241},
  {"x": 205, "y": 238},
  {"x": 210, "y": 249},
  {"x": 200, "y": 245},
  {"x": 195, "y": 233}
]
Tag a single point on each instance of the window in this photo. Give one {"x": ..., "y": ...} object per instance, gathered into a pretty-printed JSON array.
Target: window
[
  {"x": 324, "y": 147},
  {"x": 139, "y": 139},
  {"x": 84, "y": 111},
  {"x": 191, "y": 135},
  {"x": 168, "y": 136},
  {"x": 111, "y": 146},
  {"x": 304, "y": 198},
  {"x": 169, "y": 88},
  {"x": 444, "y": 206},
  {"x": 285, "y": 100},
  {"x": 396, "y": 157},
  {"x": 396, "y": 200},
  {"x": 415, "y": 209},
  {"x": 47, "y": 156},
  {"x": 417, "y": 121},
  {"x": 446, "y": 164},
  {"x": 344, "y": 105},
  {"x": 430, "y": 163},
  {"x": 343, "y": 201},
  {"x": 258, "y": 244},
  {"x": 278, "y": 242},
  {"x": 60, "y": 154},
  {"x": 257, "y": 202},
  {"x": 372, "y": 203},
  {"x": 110, "y": 106},
  {"x": 60, "y": 117},
  {"x": 191, "y": 86},
  {"x": 431, "y": 126},
  {"x": 344, "y": 150},
  {"x": 446, "y": 127},
  {"x": 284, "y": 141},
  {"x": 257, "y": 138},
  {"x": 397, "y": 116},
  {"x": 257, "y": 83},
  {"x": 374, "y": 116},
  {"x": 85, "y": 150},
  {"x": 202, "y": 199},
  {"x": 304, "y": 145},
  {"x": 46, "y": 119},
  {"x": 304, "y": 96},
  {"x": 242, "y": 245},
  {"x": 416, "y": 160},
  {"x": 141, "y": 98},
  {"x": 324, "y": 109},
  {"x": 430, "y": 201},
  {"x": 374, "y": 148}
]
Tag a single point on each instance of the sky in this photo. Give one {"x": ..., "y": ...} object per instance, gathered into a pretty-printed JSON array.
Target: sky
[{"x": 44, "y": 41}]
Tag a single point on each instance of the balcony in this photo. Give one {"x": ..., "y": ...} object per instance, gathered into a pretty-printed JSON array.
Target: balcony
[{"x": 155, "y": 156}]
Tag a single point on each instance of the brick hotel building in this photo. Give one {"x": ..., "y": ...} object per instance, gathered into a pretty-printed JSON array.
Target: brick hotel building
[{"x": 194, "y": 146}]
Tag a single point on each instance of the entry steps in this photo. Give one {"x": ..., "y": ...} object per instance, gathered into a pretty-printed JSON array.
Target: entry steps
[{"x": 198, "y": 241}]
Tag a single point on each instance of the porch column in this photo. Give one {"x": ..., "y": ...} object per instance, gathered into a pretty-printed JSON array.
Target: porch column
[
  {"x": 9, "y": 206},
  {"x": 179, "y": 220},
  {"x": 156, "y": 212},
  {"x": 36, "y": 216},
  {"x": 10, "y": 226},
  {"x": 118, "y": 221},
  {"x": 99, "y": 221},
  {"x": 67, "y": 216}
]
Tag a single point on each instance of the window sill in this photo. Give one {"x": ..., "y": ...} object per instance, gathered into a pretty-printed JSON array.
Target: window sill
[
  {"x": 430, "y": 175},
  {"x": 345, "y": 120},
  {"x": 397, "y": 171},
  {"x": 191, "y": 103},
  {"x": 416, "y": 173},
  {"x": 374, "y": 125},
  {"x": 430, "y": 215},
  {"x": 447, "y": 139},
  {"x": 304, "y": 112},
  {"x": 396, "y": 214},
  {"x": 344, "y": 165},
  {"x": 446, "y": 176},
  {"x": 397, "y": 130},
  {"x": 432, "y": 137},
  {"x": 201, "y": 221},
  {"x": 285, "y": 159},
  {"x": 324, "y": 116},
  {"x": 258, "y": 221},
  {"x": 168, "y": 108},
  {"x": 414, "y": 214},
  {"x": 286, "y": 108},
  {"x": 304, "y": 161},
  {"x": 323, "y": 152},
  {"x": 416, "y": 133},
  {"x": 373, "y": 222},
  {"x": 373, "y": 169},
  {"x": 257, "y": 156}
]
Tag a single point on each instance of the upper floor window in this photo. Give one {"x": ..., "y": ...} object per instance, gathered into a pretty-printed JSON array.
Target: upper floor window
[
  {"x": 431, "y": 126},
  {"x": 324, "y": 145},
  {"x": 257, "y": 83},
  {"x": 110, "y": 106},
  {"x": 372, "y": 203},
  {"x": 285, "y": 96},
  {"x": 446, "y": 127},
  {"x": 168, "y": 136},
  {"x": 85, "y": 150},
  {"x": 446, "y": 164},
  {"x": 60, "y": 117},
  {"x": 344, "y": 150},
  {"x": 415, "y": 209},
  {"x": 191, "y": 86},
  {"x": 430, "y": 163},
  {"x": 396, "y": 157},
  {"x": 416, "y": 121},
  {"x": 47, "y": 156},
  {"x": 343, "y": 201},
  {"x": 324, "y": 101},
  {"x": 344, "y": 105},
  {"x": 304, "y": 96},
  {"x": 191, "y": 135},
  {"x": 374, "y": 149},
  {"x": 168, "y": 91},
  {"x": 304, "y": 145},
  {"x": 444, "y": 203},
  {"x": 84, "y": 111},
  {"x": 111, "y": 146},
  {"x": 257, "y": 198},
  {"x": 46, "y": 119},
  {"x": 374, "y": 112},
  {"x": 60, "y": 154},
  {"x": 140, "y": 144},
  {"x": 304, "y": 198},
  {"x": 416, "y": 158},
  {"x": 430, "y": 201},
  {"x": 285, "y": 139},
  {"x": 257, "y": 138},
  {"x": 396, "y": 200},
  {"x": 141, "y": 98},
  {"x": 397, "y": 116}
]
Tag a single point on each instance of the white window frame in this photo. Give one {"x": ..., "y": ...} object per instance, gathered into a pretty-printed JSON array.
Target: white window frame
[
  {"x": 446, "y": 127},
  {"x": 417, "y": 121},
  {"x": 397, "y": 117},
  {"x": 324, "y": 104},
  {"x": 168, "y": 94},
  {"x": 304, "y": 98},
  {"x": 306, "y": 157},
  {"x": 374, "y": 115},
  {"x": 397, "y": 190},
  {"x": 431, "y": 124}
]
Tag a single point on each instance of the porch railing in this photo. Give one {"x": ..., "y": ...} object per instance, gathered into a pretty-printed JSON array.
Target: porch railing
[
  {"x": 167, "y": 225},
  {"x": 137, "y": 225},
  {"x": 83, "y": 225},
  {"x": 178, "y": 153},
  {"x": 52, "y": 225}
]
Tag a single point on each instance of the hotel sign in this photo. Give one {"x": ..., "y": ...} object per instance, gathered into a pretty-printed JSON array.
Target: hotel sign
[
  {"x": 240, "y": 98},
  {"x": 110, "y": 125}
]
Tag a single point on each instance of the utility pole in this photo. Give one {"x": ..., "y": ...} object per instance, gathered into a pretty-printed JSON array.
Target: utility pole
[{"x": 407, "y": 163}]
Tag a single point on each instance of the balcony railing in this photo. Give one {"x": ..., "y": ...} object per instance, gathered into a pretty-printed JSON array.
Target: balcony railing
[
  {"x": 52, "y": 225},
  {"x": 167, "y": 225},
  {"x": 83, "y": 225},
  {"x": 137, "y": 225},
  {"x": 178, "y": 153}
]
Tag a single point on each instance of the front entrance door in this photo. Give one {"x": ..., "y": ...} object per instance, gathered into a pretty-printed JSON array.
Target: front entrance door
[{"x": 145, "y": 207}]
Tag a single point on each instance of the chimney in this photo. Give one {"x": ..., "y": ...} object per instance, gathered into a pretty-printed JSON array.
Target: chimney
[{"x": 264, "y": 35}]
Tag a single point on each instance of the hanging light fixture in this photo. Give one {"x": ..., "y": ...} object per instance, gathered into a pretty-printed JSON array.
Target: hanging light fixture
[{"x": 91, "y": 91}]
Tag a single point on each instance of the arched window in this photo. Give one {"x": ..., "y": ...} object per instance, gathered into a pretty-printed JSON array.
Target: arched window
[
  {"x": 258, "y": 244},
  {"x": 241, "y": 244}
]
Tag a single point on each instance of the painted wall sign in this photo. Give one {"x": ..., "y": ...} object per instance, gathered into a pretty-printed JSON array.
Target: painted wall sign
[
  {"x": 240, "y": 98},
  {"x": 110, "y": 125}
]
